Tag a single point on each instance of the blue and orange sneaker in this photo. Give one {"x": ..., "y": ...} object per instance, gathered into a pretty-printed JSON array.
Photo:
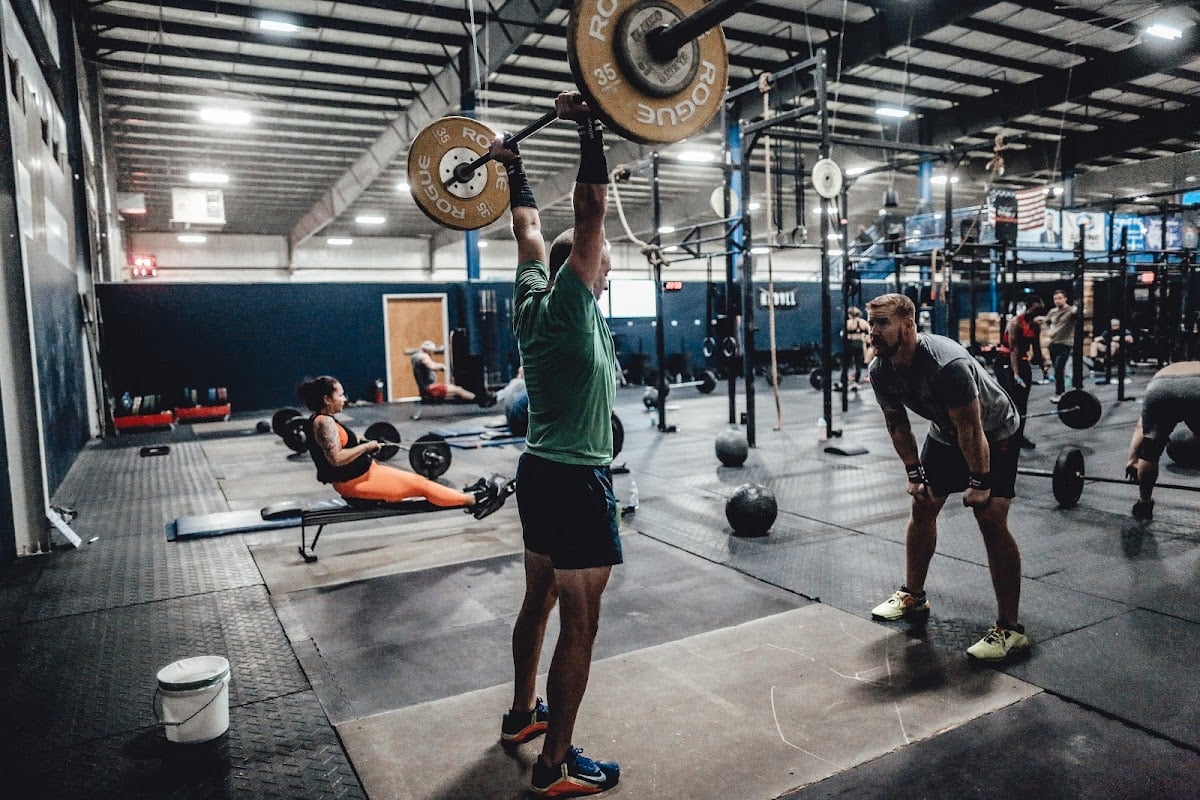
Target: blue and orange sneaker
[
  {"x": 519, "y": 727},
  {"x": 574, "y": 777}
]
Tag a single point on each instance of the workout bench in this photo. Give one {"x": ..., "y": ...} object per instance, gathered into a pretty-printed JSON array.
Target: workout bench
[{"x": 331, "y": 512}]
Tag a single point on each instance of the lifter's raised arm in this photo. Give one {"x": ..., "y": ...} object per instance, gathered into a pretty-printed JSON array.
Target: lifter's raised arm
[
  {"x": 526, "y": 221},
  {"x": 590, "y": 196}
]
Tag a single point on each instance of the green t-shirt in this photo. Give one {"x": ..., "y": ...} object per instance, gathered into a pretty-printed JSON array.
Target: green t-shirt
[{"x": 567, "y": 352}]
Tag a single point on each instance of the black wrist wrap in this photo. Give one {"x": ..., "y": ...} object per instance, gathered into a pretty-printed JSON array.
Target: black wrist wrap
[
  {"x": 980, "y": 480},
  {"x": 520, "y": 194},
  {"x": 916, "y": 472},
  {"x": 593, "y": 165}
]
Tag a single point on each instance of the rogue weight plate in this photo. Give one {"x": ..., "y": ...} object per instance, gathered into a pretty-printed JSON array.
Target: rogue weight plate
[
  {"x": 384, "y": 432},
  {"x": 440, "y": 147},
  {"x": 1067, "y": 480},
  {"x": 429, "y": 455},
  {"x": 1079, "y": 409},
  {"x": 295, "y": 434},
  {"x": 280, "y": 419},
  {"x": 644, "y": 99}
]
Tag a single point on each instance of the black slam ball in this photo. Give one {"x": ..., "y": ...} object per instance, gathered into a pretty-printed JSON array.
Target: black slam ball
[
  {"x": 732, "y": 447},
  {"x": 751, "y": 510},
  {"x": 1183, "y": 448}
]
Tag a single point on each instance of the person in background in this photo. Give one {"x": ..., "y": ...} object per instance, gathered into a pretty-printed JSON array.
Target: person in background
[
  {"x": 346, "y": 463},
  {"x": 1060, "y": 323},
  {"x": 857, "y": 342},
  {"x": 1105, "y": 347},
  {"x": 1020, "y": 347},
  {"x": 425, "y": 371},
  {"x": 1172, "y": 397}
]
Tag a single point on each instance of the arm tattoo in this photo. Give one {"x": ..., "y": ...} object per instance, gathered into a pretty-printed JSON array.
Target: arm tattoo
[
  {"x": 327, "y": 437},
  {"x": 896, "y": 420}
]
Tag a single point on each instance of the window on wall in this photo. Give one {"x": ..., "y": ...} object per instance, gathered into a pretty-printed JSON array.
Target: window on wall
[{"x": 631, "y": 299}]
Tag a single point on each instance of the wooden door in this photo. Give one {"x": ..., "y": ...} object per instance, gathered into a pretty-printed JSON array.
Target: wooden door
[{"x": 410, "y": 319}]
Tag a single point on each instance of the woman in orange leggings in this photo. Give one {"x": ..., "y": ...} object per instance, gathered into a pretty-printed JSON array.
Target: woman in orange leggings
[{"x": 346, "y": 463}]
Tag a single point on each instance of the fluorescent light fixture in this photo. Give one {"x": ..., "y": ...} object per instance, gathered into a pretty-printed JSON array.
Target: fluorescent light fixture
[
  {"x": 370, "y": 219},
  {"x": 1164, "y": 32},
  {"x": 940, "y": 180},
  {"x": 835, "y": 252},
  {"x": 856, "y": 171},
  {"x": 277, "y": 26},
  {"x": 755, "y": 206},
  {"x": 666, "y": 228},
  {"x": 760, "y": 250},
  {"x": 1056, "y": 191},
  {"x": 891, "y": 111},
  {"x": 1190, "y": 178},
  {"x": 339, "y": 241},
  {"x": 208, "y": 177},
  {"x": 403, "y": 186},
  {"x": 1142, "y": 198},
  {"x": 483, "y": 245},
  {"x": 671, "y": 249},
  {"x": 696, "y": 156},
  {"x": 225, "y": 116},
  {"x": 833, "y": 236},
  {"x": 192, "y": 238}
]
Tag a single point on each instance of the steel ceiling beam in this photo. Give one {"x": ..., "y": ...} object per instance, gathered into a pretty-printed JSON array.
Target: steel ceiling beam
[
  {"x": 516, "y": 19},
  {"x": 1111, "y": 140},
  {"x": 941, "y": 127}
]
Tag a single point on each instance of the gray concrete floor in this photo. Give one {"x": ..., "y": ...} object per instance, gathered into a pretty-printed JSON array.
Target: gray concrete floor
[{"x": 1106, "y": 705}]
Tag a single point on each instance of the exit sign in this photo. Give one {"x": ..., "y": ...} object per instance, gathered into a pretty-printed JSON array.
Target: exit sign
[{"x": 672, "y": 286}]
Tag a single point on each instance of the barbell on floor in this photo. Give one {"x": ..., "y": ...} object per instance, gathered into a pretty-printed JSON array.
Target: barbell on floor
[
  {"x": 653, "y": 71},
  {"x": 1077, "y": 409},
  {"x": 1069, "y": 476},
  {"x": 705, "y": 384}
]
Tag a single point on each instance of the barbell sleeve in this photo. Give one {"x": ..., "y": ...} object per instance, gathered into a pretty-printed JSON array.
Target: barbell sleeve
[{"x": 665, "y": 42}]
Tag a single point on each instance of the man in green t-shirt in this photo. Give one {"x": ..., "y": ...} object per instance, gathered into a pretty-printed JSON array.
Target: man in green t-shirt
[{"x": 564, "y": 484}]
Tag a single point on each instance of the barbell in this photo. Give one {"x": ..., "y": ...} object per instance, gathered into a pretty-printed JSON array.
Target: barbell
[
  {"x": 429, "y": 455},
  {"x": 706, "y": 383},
  {"x": 1070, "y": 474},
  {"x": 1077, "y": 409},
  {"x": 654, "y": 71}
]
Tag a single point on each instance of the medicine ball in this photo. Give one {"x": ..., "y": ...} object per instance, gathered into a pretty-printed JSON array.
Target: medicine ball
[
  {"x": 732, "y": 447},
  {"x": 751, "y": 510},
  {"x": 263, "y": 426},
  {"x": 1183, "y": 448},
  {"x": 516, "y": 413}
]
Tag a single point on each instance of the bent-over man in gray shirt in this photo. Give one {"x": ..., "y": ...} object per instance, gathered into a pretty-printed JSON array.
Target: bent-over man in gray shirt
[{"x": 970, "y": 448}]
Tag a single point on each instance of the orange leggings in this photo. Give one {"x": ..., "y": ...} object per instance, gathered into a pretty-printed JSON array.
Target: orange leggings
[{"x": 389, "y": 484}]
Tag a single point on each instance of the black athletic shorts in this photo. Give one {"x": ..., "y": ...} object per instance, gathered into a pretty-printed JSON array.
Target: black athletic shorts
[
  {"x": 1168, "y": 401},
  {"x": 569, "y": 513},
  {"x": 946, "y": 470}
]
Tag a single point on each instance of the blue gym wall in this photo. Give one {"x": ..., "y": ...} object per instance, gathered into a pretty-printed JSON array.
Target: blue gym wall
[{"x": 259, "y": 340}]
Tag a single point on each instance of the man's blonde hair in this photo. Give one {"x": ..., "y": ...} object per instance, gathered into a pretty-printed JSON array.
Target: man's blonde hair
[{"x": 897, "y": 305}]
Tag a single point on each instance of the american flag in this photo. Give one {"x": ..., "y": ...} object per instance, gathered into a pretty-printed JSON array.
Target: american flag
[{"x": 1031, "y": 208}]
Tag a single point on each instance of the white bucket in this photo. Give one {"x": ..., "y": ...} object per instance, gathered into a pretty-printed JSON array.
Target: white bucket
[{"x": 192, "y": 698}]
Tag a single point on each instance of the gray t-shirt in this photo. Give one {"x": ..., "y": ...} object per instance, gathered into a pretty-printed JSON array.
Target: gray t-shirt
[{"x": 942, "y": 376}]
